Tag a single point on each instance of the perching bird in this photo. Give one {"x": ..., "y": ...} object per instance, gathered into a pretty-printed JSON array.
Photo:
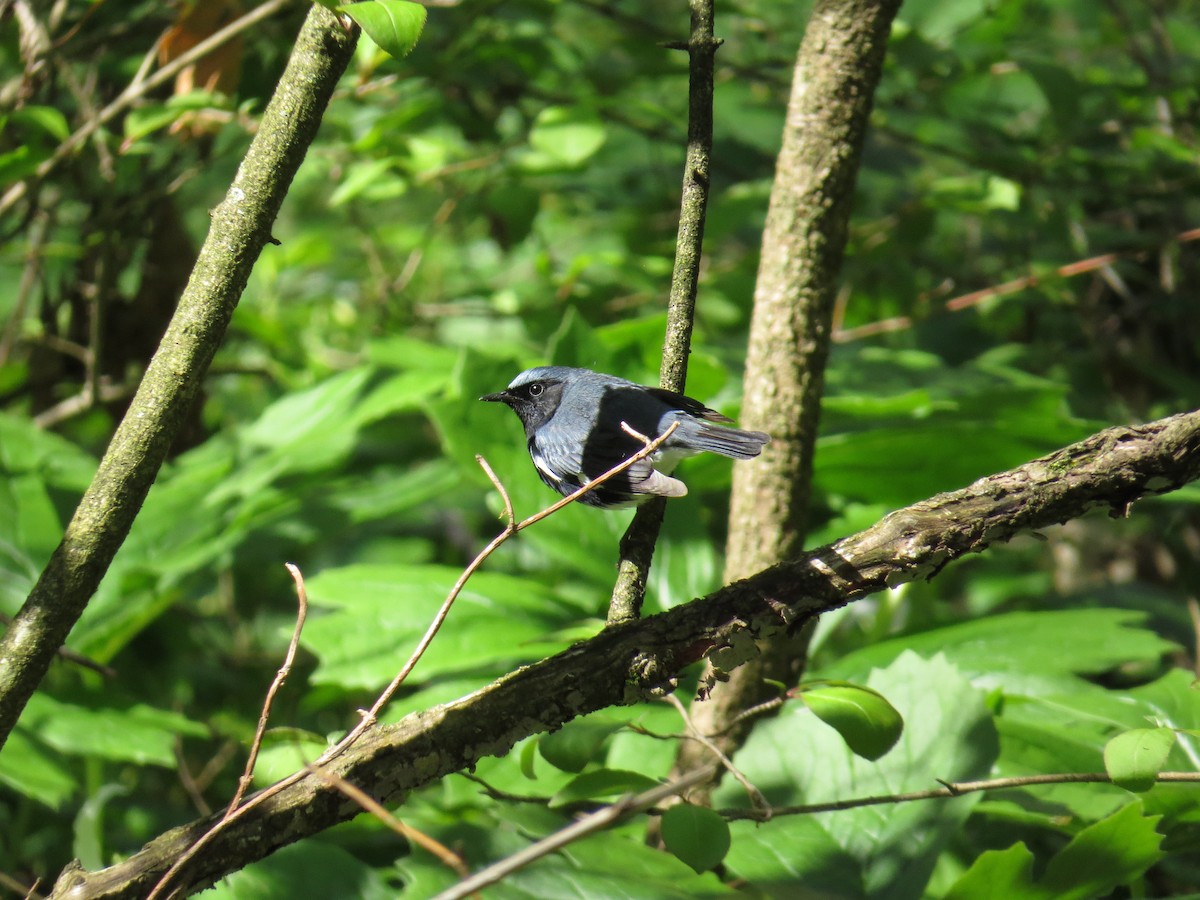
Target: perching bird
[{"x": 572, "y": 420}]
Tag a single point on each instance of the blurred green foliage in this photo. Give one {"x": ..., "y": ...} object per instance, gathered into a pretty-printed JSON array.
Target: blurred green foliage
[{"x": 507, "y": 195}]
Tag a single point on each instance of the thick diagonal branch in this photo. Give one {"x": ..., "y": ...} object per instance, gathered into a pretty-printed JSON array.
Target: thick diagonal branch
[{"x": 627, "y": 663}]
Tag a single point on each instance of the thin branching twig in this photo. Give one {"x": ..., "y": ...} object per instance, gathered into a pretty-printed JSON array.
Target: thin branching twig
[
  {"x": 975, "y": 298},
  {"x": 588, "y": 825},
  {"x": 948, "y": 789},
  {"x": 375, "y": 808},
  {"x": 757, "y": 800},
  {"x": 370, "y": 716},
  {"x": 137, "y": 89},
  {"x": 276, "y": 684}
]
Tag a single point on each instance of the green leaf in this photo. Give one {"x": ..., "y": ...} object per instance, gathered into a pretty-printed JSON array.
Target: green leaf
[
  {"x": 567, "y": 135},
  {"x": 312, "y": 869},
  {"x": 998, "y": 875},
  {"x": 1134, "y": 758},
  {"x": 1103, "y": 856},
  {"x": 88, "y": 845},
  {"x": 31, "y": 769},
  {"x": 395, "y": 25},
  {"x": 577, "y": 743},
  {"x": 601, "y": 785},
  {"x": 948, "y": 735},
  {"x": 868, "y": 724},
  {"x": 45, "y": 118},
  {"x": 696, "y": 835},
  {"x": 794, "y": 850},
  {"x": 139, "y": 734},
  {"x": 528, "y": 756},
  {"x": 379, "y": 612},
  {"x": 1027, "y": 652}
]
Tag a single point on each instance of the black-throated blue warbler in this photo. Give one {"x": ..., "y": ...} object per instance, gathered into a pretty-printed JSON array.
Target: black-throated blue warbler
[{"x": 572, "y": 420}]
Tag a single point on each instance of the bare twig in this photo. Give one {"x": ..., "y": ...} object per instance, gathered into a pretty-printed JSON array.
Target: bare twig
[
  {"x": 949, "y": 789},
  {"x": 137, "y": 89},
  {"x": 29, "y": 892},
  {"x": 974, "y": 298},
  {"x": 369, "y": 717},
  {"x": 757, "y": 800},
  {"x": 590, "y": 824},
  {"x": 187, "y": 780},
  {"x": 99, "y": 391},
  {"x": 29, "y": 277},
  {"x": 509, "y": 516},
  {"x": 504, "y": 796},
  {"x": 280, "y": 677},
  {"x": 410, "y": 834}
]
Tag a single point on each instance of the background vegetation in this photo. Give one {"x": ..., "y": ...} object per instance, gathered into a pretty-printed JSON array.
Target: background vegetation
[{"x": 507, "y": 195}]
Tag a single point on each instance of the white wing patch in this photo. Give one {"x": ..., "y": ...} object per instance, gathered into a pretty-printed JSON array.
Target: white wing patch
[{"x": 540, "y": 463}]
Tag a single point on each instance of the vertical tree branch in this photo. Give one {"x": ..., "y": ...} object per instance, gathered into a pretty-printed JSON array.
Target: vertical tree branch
[
  {"x": 637, "y": 545},
  {"x": 837, "y": 70},
  {"x": 241, "y": 226}
]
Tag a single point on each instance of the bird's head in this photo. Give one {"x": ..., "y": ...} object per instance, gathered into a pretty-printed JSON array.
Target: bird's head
[{"x": 534, "y": 395}]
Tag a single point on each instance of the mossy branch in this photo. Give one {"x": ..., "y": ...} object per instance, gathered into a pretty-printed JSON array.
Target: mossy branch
[{"x": 241, "y": 227}]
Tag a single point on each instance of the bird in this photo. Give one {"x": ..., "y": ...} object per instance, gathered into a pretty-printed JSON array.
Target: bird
[{"x": 572, "y": 420}]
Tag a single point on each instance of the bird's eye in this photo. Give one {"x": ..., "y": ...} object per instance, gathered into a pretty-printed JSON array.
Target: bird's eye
[{"x": 535, "y": 389}]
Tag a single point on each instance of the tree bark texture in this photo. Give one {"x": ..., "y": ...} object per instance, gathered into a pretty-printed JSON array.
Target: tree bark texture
[
  {"x": 241, "y": 226},
  {"x": 628, "y": 663},
  {"x": 837, "y": 70}
]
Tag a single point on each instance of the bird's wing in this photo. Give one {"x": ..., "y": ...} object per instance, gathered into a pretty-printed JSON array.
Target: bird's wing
[
  {"x": 687, "y": 404},
  {"x": 563, "y": 461}
]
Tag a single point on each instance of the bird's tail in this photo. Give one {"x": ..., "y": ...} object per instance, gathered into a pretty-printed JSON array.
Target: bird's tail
[{"x": 731, "y": 442}]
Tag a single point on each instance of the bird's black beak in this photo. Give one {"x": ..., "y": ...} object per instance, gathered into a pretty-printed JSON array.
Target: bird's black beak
[{"x": 498, "y": 397}]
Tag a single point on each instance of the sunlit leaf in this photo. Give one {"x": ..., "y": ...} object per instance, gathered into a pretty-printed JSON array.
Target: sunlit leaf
[{"x": 395, "y": 25}]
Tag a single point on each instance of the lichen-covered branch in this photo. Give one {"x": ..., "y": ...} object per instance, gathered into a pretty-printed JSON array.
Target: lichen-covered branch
[
  {"x": 241, "y": 227},
  {"x": 629, "y": 662}
]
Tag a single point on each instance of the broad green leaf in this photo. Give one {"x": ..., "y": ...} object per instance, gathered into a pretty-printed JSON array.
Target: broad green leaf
[
  {"x": 313, "y": 868},
  {"x": 696, "y": 835},
  {"x": 948, "y": 736},
  {"x": 45, "y": 118},
  {"x": 940, "y": 20},
  {"x": 379, "y": 612},
  {"x": 395, "y": 25},
  {"x": 143, "y": 121},
  {"x": 615, "y": 863},
  {"x": 1104, "y": 856},
  {"x": 793, "y": 850},
  {"x": 567, "y": 135},
  {"x": 868, "y": 724},
  {"x": 26, "y": 448},
  {"x": 1030, "y": 652},
  {"x": 31, "y": 769},
  {"x": 577, "y": 743},
  {"x": 998, "y": 875},
  {"x": 601, "y": 785},
  {"x": 89, "y": 843},
  {"x": 137, "y": 734},
  {"x": 1133, "y": 759}
]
